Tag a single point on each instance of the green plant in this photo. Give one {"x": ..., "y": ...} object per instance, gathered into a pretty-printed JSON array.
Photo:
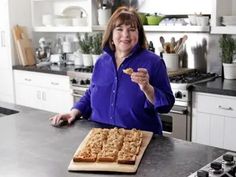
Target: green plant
[
  {"x": 96, "y": 44},
  {"x": 228, "y": 46},
  {"x": 85, "y": 43}
]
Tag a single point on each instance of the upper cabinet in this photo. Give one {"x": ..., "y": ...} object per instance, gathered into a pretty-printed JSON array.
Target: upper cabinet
[
  {"x": 223, "y": 17},
  {"x": 63, "y": 15}
]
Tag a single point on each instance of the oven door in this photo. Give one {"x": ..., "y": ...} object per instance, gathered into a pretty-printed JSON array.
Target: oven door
[
  {"x": 175, "y": 123},
  {"x": 78, "y": 92}
]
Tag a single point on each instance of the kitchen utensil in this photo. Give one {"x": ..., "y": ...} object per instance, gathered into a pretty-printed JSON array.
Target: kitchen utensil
[
  {"x": 23, "y": 46},
  {"x": 143, "y": 18},
  {"x": 171, "y": 60},
  {"x": 192, "y": 19},
  {"x": 162, "y": 40},
  {"x": 103, "y": 16},
  {"x": 185, "y": 37},
  {"x": 172, "y": 41},
  {"x": 77, "y": 14},
  {"x": 168, "y": 48},
  {"x": 63, "y": 21},
  {"x": 178, "y": 44},
  {"x": 154, "y": 19}
]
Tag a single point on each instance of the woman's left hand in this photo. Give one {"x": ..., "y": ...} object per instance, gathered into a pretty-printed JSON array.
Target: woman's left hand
[{"x": 141, "y": 77}]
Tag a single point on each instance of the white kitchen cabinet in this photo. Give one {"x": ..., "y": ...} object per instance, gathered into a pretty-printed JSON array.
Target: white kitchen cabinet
[
  {"x": 55, "y": 8},
  {"x": 12, "y": 12},
  {"x": 214, "y": 120},
  {"x": 222, "y": 8},
  {"x": 49, "y": 92}
]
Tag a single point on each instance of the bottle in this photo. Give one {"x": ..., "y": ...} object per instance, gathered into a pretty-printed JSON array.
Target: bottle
[{"x": 151, "y": 47}]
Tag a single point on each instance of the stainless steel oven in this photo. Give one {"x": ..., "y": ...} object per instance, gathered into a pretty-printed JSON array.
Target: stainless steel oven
[
  {"x": 78, "y": 92},
  {"x": 80, "y": 81},
  {"x": 176, "y": 123}
]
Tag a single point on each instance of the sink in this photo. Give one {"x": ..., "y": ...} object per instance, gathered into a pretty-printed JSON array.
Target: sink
[{"x": 6, "y": 111}]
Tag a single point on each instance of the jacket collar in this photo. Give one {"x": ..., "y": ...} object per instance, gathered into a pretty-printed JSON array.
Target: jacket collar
[{"x": 108, "y": 50}]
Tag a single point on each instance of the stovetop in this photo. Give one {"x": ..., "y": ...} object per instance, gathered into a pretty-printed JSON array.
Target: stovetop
[
  {"x": 191, "y": 77},
  {"x": 223, "y": 166},
  {"x": 84, "y": 69}
]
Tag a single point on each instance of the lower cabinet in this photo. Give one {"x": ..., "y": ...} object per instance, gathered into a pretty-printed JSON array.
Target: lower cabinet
[
  {"x": 214, "y": 120},
  {"x": 48, "y": 92}
]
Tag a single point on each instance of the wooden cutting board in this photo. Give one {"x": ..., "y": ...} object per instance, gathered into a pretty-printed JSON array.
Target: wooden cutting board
[
  {"x": 110, "y": 166},
  {"x": 23, "y": 45}
]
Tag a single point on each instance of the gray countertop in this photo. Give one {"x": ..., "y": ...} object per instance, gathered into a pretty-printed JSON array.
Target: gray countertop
[{"x": 30, "y": 146}]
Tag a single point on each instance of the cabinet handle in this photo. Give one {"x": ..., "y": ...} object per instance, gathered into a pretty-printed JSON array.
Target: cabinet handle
[
  {"x": 43, "y": 96},
  {"x": 225, "y": 108},
  {"x": 54, "y": 83},
  {"x": 27, "y": 79},
  {"x": 39, "y": 95},
  {"x": 3, "y": 43}
]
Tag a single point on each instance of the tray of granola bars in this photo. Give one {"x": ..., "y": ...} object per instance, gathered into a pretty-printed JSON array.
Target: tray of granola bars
[{"x": 113, "y": 150}]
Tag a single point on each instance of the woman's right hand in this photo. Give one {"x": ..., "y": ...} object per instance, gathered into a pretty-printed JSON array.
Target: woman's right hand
[{"x": 69, "y": 117}]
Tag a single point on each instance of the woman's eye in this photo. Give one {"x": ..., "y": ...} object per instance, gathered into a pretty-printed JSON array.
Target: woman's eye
[
  {"x": 132, "y": 29},
  {"x": 119, "y": 29}
]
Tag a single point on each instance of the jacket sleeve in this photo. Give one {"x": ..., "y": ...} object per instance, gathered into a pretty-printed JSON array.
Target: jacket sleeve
[
  {"x": 164, "y": 98},
  {"x": 84, "y": 104}
]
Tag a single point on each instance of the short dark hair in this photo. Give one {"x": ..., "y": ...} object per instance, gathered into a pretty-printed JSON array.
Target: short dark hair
[{"x": 124, "y": 15}]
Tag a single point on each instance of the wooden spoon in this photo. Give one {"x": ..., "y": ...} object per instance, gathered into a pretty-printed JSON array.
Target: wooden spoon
[
  {"x": 162, "y": 40},
  {"x": 185, "y": 37}
]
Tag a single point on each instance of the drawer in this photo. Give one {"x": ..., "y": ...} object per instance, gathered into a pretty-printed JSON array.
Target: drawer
[
  {"x": 217, "y": 104},
  {"x": 42, "y": 80},
  {"x": 57, "y": 81},
  {"x": 26, "y": 77}
]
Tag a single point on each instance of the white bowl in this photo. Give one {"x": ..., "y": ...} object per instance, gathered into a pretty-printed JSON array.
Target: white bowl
[
  {"x": 192, "y": 19},
  {"x": 79, "y": 21},
  {"x": 63, "y": 21}
]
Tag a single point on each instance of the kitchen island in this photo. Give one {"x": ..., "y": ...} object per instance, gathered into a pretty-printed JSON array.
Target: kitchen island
[{"x": 31, "y": 147}]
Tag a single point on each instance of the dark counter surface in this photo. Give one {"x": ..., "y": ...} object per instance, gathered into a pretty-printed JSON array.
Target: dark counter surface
[
  {"x": 217, "y": 86},
  {"x": 31, "y": 147},
  {"x": 50, "y": 69}
]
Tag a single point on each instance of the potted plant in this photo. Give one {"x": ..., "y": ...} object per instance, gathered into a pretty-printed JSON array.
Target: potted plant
[
  {"x": 96, "y": 46},
  {"x": 85, "y": 44},
  {"x": 228, "y": 46}
]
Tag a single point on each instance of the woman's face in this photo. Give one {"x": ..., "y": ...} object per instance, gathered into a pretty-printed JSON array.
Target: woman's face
[{"x": 125, "y": 37}]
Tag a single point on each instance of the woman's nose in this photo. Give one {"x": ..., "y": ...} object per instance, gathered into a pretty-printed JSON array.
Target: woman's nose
[{"x": 126, "y": 32}]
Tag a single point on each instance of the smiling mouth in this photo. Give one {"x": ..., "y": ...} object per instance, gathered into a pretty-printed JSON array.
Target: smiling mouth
[{"x": 125, "y": 42}]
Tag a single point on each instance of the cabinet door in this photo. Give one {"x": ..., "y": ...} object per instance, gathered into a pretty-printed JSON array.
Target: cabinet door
[
  {"x": 230, "y": 132},
  {"x": 57, "y": 100},
  {"x": 30, "y": 96},
  {"x": 209, "y": 130}
]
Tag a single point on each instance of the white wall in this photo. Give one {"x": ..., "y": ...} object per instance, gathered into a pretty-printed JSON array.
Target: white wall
[
  {"x": 170, "y": 7},
  {"x": 206, "y": 59}
]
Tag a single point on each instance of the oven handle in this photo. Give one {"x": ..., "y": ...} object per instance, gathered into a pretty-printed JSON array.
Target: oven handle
[
  {"x": 78, "y": 95},
  {"x": 182, "y": 112}
]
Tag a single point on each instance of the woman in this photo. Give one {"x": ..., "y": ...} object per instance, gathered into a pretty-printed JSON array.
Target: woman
[{"x": 119, "y": 99}]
